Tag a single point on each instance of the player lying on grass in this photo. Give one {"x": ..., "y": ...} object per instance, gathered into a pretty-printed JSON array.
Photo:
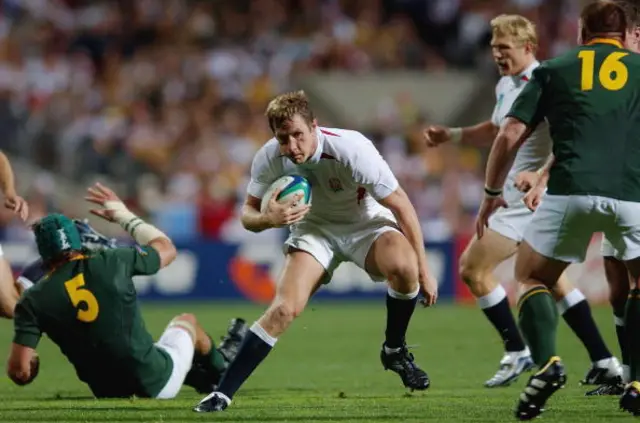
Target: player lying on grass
[
  {"x": 93, "y": 240},
  {"x": 359, "y": 214},
  {"x": 514, "y": 43},
  {"x": 87, "y": 305}
]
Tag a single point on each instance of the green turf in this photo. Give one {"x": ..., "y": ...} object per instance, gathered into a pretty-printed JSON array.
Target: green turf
[{"x": 326, "y": 369}]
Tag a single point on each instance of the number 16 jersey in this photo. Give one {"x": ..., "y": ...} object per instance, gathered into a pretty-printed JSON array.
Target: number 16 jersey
[
  {"x": 88, "y": 307},
  {"x": 590, "y": 97}
]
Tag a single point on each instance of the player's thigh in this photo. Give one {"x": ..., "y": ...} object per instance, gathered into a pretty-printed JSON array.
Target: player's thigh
[
  {"x": 391, "y": 257},
  {"x": 533, "y": 268},
  {"x": 483, "y": 255},
  {"x": 301, "y": 275},
  {"x": 178, "y": 342},
  {"x": 562, "y": 227}
]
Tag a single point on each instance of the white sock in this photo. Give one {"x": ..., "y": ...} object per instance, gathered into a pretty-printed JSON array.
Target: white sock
[
  {"x": 400, "y": 296},
  {"x": 492, "y": 298},
  {"x": 572, "y": 298},
  {"x": 262, "y": 334}
]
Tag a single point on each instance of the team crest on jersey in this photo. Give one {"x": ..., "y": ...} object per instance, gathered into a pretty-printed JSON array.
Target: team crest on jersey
[
  {"x": 499, "y": 102},
  {"x": 335, "y": 184}
]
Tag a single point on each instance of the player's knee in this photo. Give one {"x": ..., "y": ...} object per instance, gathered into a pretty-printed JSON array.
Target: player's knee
[
  {"x": 187, "y": 322},
  {"x": 472, "y": 274},
  {"x": 186, "y": 317},
  {"x": 403, "y": 274}
]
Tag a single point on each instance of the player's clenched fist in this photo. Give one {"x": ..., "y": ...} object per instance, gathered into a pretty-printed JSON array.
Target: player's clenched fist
[
  {"x": 435, "y": 135},
  {"x": 286, "y": 213}
]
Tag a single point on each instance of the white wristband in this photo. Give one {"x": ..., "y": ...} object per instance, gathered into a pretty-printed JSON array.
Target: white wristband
[
  {"x": 140, "y": 230},
  {"x": 456, "y": 135}
]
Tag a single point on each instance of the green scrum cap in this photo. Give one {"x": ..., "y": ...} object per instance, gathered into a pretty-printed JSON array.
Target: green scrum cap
[{"x": 56, "y": 234}]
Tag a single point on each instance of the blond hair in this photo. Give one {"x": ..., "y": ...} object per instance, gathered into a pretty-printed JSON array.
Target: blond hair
[
  {"x": 285, "y": 106},
  {"x": 521, "y": 29}
]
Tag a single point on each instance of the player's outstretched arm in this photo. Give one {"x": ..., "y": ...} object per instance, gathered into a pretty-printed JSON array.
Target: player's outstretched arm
[
  {"x": 480, "y": 135},
  {"x": 114, "y": 210}
]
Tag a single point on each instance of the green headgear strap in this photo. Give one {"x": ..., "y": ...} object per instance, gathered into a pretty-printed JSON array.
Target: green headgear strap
[{"x": 56, "y": 234}]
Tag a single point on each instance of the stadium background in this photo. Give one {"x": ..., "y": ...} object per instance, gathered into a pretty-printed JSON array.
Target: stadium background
[{"x": 163, "y": 100}]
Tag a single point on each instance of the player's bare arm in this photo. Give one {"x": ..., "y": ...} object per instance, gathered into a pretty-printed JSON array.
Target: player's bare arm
[
  {"x": 276, "y": 215},
  {"x": 400, "y": 205},
  {"x": 21, "y": 366},
  {"x": 12, "y": 200},
  {"x": 113, "y": 210},
  {"x": 480, "y": 135},
  {"x": 509, "y": 139}
]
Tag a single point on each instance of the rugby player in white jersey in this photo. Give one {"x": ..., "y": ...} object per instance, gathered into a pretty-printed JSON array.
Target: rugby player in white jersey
[
  {"x": 9, "y": 292},
  {"x": 359, "y": 214},
  {"x": 514, "y": 44}
]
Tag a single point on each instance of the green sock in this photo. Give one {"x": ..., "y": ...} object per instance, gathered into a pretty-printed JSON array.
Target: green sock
[
  {"x": 538, "y": 319},
  {"x": 213, "y": 360},
  {"x": 632, "y": 326}
]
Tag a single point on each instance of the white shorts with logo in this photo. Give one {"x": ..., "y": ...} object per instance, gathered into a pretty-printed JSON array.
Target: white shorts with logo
[
  {"x": 331, "y": 244},
  {"x": 177, "y": 342},
  {"x": 562, "y": 226}
]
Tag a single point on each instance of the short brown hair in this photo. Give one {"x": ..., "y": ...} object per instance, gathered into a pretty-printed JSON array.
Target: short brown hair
[
  {"x": 521, "y": 29},
  {"x": 603, "y": 18},
  {"x": 285, "y": 106},
  {"x": 632, "y": 10}
]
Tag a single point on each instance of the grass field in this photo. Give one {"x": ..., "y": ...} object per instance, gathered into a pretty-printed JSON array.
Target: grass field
[{"x": 326, "y": 369}]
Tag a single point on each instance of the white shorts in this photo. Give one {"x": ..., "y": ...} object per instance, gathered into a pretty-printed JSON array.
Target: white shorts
[
  {"x": 331, "y": 244},
  {"x": 562, "y": 226},
  {"x": 511, "y": 222},
  {"x": 177, "y": 342}
]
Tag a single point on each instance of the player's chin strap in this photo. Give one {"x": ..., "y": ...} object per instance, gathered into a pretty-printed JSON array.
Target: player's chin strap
[{"x": 140, "y": 230}]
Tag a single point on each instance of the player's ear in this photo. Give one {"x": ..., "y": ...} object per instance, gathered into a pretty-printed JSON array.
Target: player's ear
[
  {"x": 528, "y": 47},
  {"x": 314, "y": 124}
]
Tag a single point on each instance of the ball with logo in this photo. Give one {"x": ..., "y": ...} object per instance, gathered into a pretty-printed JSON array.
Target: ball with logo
[{"x": 290, "y": 186}]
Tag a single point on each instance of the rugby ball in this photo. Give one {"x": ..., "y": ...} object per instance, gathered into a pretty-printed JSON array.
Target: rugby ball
[{"x": 290, "y": 186}]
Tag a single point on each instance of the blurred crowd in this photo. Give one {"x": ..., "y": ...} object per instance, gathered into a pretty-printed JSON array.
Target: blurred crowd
[{"x": 166, "y": 97}]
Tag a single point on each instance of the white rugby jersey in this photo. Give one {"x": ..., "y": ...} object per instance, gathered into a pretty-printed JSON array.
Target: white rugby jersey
[
  {"x": 534, "y": 151},
  {"x": 346, "y": 172}
]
